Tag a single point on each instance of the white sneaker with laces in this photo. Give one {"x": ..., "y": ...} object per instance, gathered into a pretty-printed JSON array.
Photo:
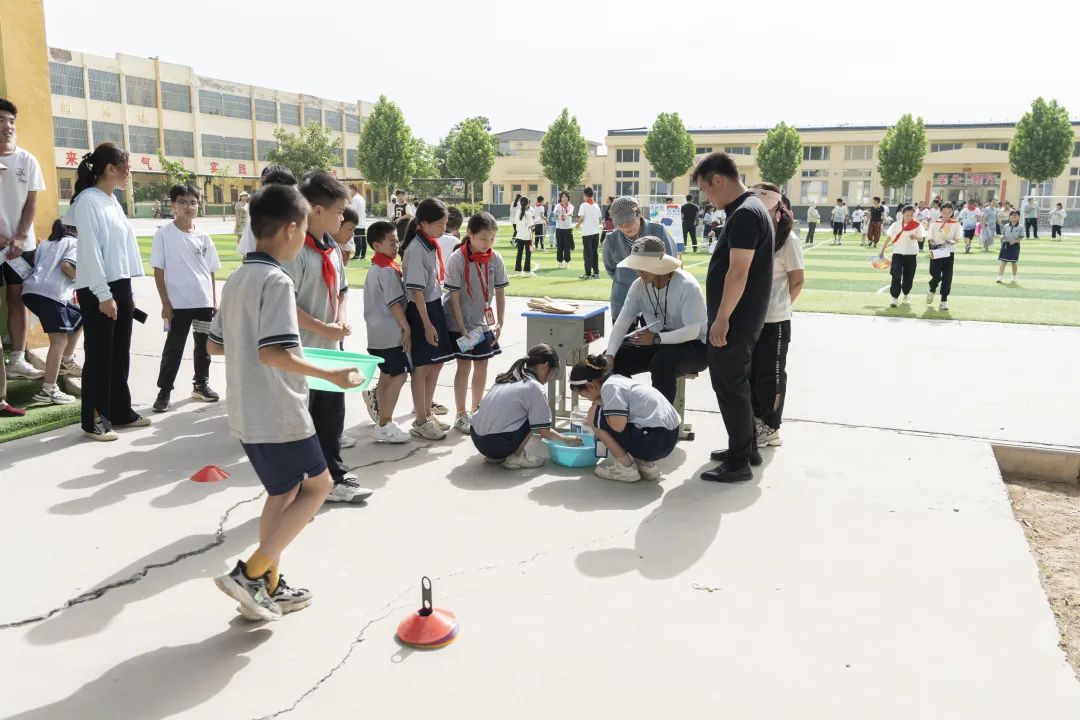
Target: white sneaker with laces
[
  {"x": 612, "y": 469},
  {"x": 390, "y": 433},
  {"x": 894, "y": 303},
  {"x": 372, "y": 405},
  {"x": 523, "y": 461},
  {"x": 1001, "y": 278},
  {"x": 347, "y": 442},
  {"x": 348, "y": 491},
  {"x": 930, "y": 297},
  {"x": 944, "y": 306},
  {"x": 427, "y": 431},
  {"x": 904, "y": 299},
  {"x": 463, "y": 424},
  {"x": 70, "y": 368},
  {"x": 22, "y": 369},
  {"x": 444, "y": 426},
  {"x": 648, "y": 470},
  {"x": 54, "y": 396},
  {"x": 769, "y": 437}
]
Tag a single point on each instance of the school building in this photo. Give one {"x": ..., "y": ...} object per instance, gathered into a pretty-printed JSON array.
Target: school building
[{"x": 219, "y": 129}]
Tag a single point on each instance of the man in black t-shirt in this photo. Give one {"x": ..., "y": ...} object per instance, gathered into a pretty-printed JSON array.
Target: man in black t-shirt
[
  {"x": 399, "y": 208},
  {"x": 689, "y": 221},
  {"x": 877, "y": 214},
  {"x": 737, "y": 290}
]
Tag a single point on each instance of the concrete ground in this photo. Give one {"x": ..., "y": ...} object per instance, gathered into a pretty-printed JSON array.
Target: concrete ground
[{"x": 872, "y": 568}]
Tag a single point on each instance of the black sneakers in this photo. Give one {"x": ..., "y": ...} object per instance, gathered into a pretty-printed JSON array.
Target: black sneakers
[
  {"x": 253, "y": 595},
  {"x": 205, "y": 393},
  {"x": 162, "y": 402},
  {"x": 722, "y": 456}
]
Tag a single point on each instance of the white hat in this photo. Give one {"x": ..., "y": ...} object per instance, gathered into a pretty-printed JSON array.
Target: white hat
[{"x": 648, "y": 254}]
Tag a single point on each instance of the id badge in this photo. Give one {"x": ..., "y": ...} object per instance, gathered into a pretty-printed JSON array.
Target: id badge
[{"x": 489, "y": 317}]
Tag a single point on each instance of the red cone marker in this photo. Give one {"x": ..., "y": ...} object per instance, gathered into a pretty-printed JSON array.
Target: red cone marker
[
  {"x": 429, "y": 627},
  {"x": 210, "y": 473}
]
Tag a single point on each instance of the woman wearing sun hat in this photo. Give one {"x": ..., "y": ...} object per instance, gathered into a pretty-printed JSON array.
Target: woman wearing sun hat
[
  {"x": 672, "y": 343},
  {"x": 625, "y": 214},
  {"x": 241, "y": 208}
]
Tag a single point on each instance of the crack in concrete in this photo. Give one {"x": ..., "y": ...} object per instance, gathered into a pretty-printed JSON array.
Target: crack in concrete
[
  {"x": 383, "y": 461},
  {"x": 96, "y": 593}
]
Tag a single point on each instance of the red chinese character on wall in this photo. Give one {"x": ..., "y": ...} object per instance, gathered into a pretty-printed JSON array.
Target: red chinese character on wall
[
  {"x": 146, "y": 161},
  {"x": 243, "y": 168},
  {"x": 71, "y": 159},
  {"x": 213, "y": 167},
  {"x": 957, "y": 179}
]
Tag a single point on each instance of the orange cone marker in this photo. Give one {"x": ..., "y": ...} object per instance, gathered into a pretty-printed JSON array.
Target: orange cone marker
[
  {"x": 428, "y": 628},
  {"x": 210, "y": 473}
]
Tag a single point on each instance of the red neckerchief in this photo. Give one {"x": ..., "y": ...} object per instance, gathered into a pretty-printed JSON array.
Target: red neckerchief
[
  {"x": 387, "y": 262},
  {"x": 438, "y": 252},
  {"x": 482, "y": 260},
  {"x": 590, "y": 201},
  {"x": 329, "y": 274},
  {"x": 906, "y": 228}
]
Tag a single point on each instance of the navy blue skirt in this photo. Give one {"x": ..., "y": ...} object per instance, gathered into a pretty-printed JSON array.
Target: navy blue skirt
[
  {"x": 642, "y": 443},
  {"x": 423, "y": 353},
  {"x": 55, "y": 317},
  {"x": 1010, "y": 252}
]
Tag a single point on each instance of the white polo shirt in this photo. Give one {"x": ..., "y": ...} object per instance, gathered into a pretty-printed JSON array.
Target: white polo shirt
[
  {"x": 590, "y": 218},
  {"x": 20, "y": 175}
]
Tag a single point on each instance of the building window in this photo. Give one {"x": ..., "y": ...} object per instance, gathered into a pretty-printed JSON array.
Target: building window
[
  {"x": 497, "y": 195},
  {"x": 179, "y": 143},
  {"x": 333, "y": 120},
  {"x": 265, "y": 110},
  {"x": 352, "y": 123},
  {"x": 312, "y": 115},
  {"x": 143, "y": 139},
  {"x": 815, "y": 152},
  {"x": 67, "y": 188},
  {"x": 215, "y": 103},
  {"x": 627, "y": 187},
  {"x": 857, "y": 173},
  {"x": 659, "y": 188},
  {"x": 265, "y": 148},
  {"x": 140, "y": 91},
  {"x": 598, "y": 191},
  {"x": 70, "y": 133},
  {"x": 814, "y": 173},
  {"x": 290, "y": 114},
  {"x": 229, "y": 148},
  {"x": 1074, "y": 171},
  {"x": 905, "y": 194},
  {"x": 738, "y": 150},
  {"x": 702, "y": 150},
  {"x": 104, "y": 85},
  {"x": 625, "y": 174},
  {"x": 68, "y": 80},
  {"x": 858, "y": 152},
  {"x": 516, "y": 189},
  {"x": 108, "y": 132},
  {"x": 628, "y": 156},
  {"x": 351, "y": 159},
  {"x": 945, "y": 147},
  {"x": 814, "y": 191},
  {"x": 1036, "y": 189},
  {"x": 992, "y": 146},
  {"x": 175, "y": 96},
  {"x": 857, "y": 192},
  {"x": 1073, "y": 202},
  {"x": 533, "y": 189}
]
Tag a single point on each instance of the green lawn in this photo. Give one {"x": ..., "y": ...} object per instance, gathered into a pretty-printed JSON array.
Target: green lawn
[
  {"x": 40, "y": 417},
  {"x": 838, "y": 280}
]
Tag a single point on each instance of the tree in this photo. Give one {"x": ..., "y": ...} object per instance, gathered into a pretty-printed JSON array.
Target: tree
[
  {"x": 442, "y": 150},
  {"x": 564, "y": 154},
  {"x": 1043, "y": 143},
  {"x": 312, "y": 148},
  {"x": 387, "y": 149},
  {"x": 669, "y": 148},
  {"x": 472, "y": 154},
  {"x": 779, "y": 154},
  {"x": 175, "y": 172},
  {"x": 901, "y": 152}
]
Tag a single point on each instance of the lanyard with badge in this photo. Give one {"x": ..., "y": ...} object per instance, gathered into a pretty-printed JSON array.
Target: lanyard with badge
[
  {"x": 658, "y": 306},
  {"x": 482, "y": 270}
]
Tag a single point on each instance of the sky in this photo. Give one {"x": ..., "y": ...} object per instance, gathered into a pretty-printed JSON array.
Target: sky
[{"x": 613, "y": 63}]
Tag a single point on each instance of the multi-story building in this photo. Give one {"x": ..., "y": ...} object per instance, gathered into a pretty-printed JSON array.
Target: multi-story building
[
  {"x": 517, "y": 170},
  {"x": 220, "y": 130}
]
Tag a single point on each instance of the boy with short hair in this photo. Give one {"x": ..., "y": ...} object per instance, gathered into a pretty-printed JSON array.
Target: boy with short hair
[
  {"x": 590, "y": 226},
  {"x": 452, "y": 237},
  {"x": 343, "y": 238},
  {"x": 184, "y": 261},
  {"x": 399, "y": 208},
  {"x": 388, "y": 333},
  {"x": 321, "y": 293},
  {"x": 257, "y": 332},
  {"x": 839, "y": 219}
]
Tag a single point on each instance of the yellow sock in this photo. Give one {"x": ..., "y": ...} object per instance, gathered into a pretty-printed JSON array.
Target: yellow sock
[
  {"x": 257, "y": 565},
  {"x": 275, "y": 576}
]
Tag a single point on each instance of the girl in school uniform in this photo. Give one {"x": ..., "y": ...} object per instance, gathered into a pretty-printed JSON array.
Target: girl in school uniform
[
  {"x": 475, "y": 275},
  {"x": 515, "y": 407},
  {"x": 47, "y": 292},
  {"x": 424, "y": 271},
  {"x": 522, "y": 217},
  {"x": 1011, "y": 234},
  {"x": 904, "y": 235},
  {"x": 628, "y": 417}
]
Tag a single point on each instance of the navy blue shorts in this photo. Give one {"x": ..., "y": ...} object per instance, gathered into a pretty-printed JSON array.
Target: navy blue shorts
[
  {"x": 499, "y": 446},
  {"x": 969, "y": 233},
  {"x": 283, "y": 466},
  {"x": 642, "y": 443},
  {"x": 55, "y": 317},
  {"x": 395, "y": 361},
  {"x": 423, "y": 353},
  {"x": 484, "y": 350}
]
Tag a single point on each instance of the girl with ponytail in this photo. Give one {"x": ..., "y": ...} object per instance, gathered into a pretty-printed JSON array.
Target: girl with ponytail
[
  {"x": 107, "y": 259},
  {"x": 475, "y": 275},
  {"x": 515, "y": 407},
  {"x": 626, "y": 416}
]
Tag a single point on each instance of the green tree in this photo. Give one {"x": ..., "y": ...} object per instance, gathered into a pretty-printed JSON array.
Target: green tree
[
  {"x": 779, "y": 154},
  {"x": 387, "y": 150},
  {"x": 564, "y": 154},
  {"x": 442, "y": 150},
  {"x": 668, "y": 147},
  {"x": 472, "y": 154},
  {"x": 175, "y": 172},
  {"x": 313, "y": 148},
  {"x": 1043, "y": 143},
  {"x": 901, "y": 152}
]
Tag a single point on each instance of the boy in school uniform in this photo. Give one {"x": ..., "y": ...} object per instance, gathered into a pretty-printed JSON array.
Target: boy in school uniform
[
  {"x": 265, "y": 371},
  {"x": 321, "y": 293},
  {"x": 388, "y": 333},
  {"x": 184, "y": 260}
]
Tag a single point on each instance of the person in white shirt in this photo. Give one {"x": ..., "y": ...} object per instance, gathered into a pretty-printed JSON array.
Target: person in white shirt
[
  {"x": 108, "y": 257},
  {"x": 969, "y": 220},
  {"x": 184, "y": 261},
  {"x": 1057, "y": 221},
  {"x": 564, "y": 229},
  {"x": 857, "y": 221},
  {"x": 20, "y": 182},
  {"x": 521, "y": 216},
  {"x": 839, "y": 216},
  {"x": 943, "y": 235},
  {"x": 271, "y": 175},
  {"x": 813, "y": 217},
  {"x": 904, "y": 236},
  {"x": 359, "y": 204},
  {"x": 589, "y": 223},
  {"x": 539, "y": 212},
  {"x": 768, "y": 364}
]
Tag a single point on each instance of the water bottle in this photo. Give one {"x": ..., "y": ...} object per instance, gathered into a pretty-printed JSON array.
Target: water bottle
[{"x": 577, "y": 420}]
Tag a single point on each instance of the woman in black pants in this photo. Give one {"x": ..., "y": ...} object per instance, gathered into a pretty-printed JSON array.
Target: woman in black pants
[
  {"x": 521, "y": 217},
  {"x": 107, "y": 259}
]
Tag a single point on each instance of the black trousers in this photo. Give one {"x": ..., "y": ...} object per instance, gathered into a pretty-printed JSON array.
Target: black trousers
[
  {"x": 564, "y": 243},
  {"x": 176, "y": 341},
  {"x": 903, "y": 274},
  {"x": 1031, "y": 227},
  {"x": 328, "y": 414},
  {"x": 729, "y": 370},
  {"x": 360, "y": 240},
  {"x": 666, "y": 363},
  {"x": 768, "y": 372},
  {"x": 538, "y": 236},
  {"x": 838, "y": 229},
  {"x": 107, "y": 346},
  {"x": 592, "y": 254},
  {"x": 691, "y": 232},
  {"x": 810, "y": 228},
  {"x": 941, "y": 272},
  {"x": 1055, "y": 231},
  {"x": 526, "y": 247}
]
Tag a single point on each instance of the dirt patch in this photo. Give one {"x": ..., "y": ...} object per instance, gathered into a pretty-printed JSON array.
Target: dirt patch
[{"x": 1050, "y": 515}]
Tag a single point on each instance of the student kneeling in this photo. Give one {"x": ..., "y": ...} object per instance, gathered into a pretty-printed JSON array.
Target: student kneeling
[{"x": 626, "y": 416}]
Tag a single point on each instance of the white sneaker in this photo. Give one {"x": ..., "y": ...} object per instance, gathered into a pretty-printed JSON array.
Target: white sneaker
[
  {"x": 22, "y": 369},
  {"x": 612, "y": 469},
  {"x": 529, "y": 274},
  {"x": 427, "y": 431},
  {"x": 768, "y": 437},
  {"x": 348, "y": 491},
  {"x": 70, "y": 368},
  {"x": 904, "y": 300},
  {"x": 648, "y": 470},
  {"x": 535, "y": 267},
  {"x": 894, "y": 303},
  {"x": 390, "y": 433},
  {"x": 347, "y": 442},
  {"x": 463, "y": 425},
  {"x": 930, "y": 297},
  {"x": 944, "y": 306},
  {"x": 1001, "y": 278},
  {"x": 372, "y": 405},
  {"x": 54, "y": 396},
  {"x": 523, "y": 461},
  {"x": 444, "y": 426}
]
